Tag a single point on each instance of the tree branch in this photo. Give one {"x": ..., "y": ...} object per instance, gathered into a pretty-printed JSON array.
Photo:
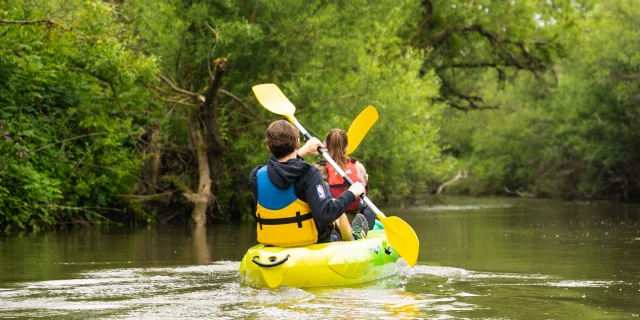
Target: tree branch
[
  {"x": 147, "y": 197},
  {"x": 473, "y": 102},
  {"x": 252, "y": 124},
  {"x": 440, "y": 38},
  {"x": 176, "y": 89},
  {"x": 186, "y": 191},
  {"x": 427, "y": 18},
  {"x": 490, "y": 35},
  {"x": 39, "y": 21},
  {"x": 462, "y": 174},
  {"x": 70, "y": 139},
  {"x": 469, "y": 98},
  {"x": 234, "y": 97}
]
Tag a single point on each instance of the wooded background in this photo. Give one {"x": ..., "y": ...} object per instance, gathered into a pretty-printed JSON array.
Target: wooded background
[{"x": 142, "y": 111}]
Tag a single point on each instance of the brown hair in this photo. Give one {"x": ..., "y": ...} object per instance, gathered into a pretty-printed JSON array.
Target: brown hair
[
  {"x": 337, "y": 141},
  {"x": 282, "y": 138}
]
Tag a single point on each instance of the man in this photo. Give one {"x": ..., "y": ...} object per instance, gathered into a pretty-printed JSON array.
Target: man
[{"x": 294, "y": 204}]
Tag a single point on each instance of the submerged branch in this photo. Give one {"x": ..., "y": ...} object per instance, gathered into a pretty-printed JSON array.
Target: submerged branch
[{"x": 462, "y": 174}]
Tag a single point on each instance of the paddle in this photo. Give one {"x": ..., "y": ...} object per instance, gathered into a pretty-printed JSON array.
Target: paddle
[
  {"x": 399, "y": 233},
  {"x": 360, "y": 126}
]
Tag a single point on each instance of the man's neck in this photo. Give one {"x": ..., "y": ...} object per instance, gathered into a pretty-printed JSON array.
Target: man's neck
[{"x": 286, "y": 158}]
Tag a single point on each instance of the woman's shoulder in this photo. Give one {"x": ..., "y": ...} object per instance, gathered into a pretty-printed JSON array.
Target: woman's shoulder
[{"x": 358, "y": 164}]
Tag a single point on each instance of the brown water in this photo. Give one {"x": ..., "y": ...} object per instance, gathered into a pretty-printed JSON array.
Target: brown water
[{"x": 479, "y": 259}]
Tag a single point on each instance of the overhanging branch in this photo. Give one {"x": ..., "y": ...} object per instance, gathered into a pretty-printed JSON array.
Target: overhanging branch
[
  {"x": 39, "y": 21},
  {"x": 234, "y": 97},
  {"x": 176, "y": 88}
]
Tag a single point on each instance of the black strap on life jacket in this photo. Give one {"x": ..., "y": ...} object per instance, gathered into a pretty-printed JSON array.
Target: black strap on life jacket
[{"x": 272, "y": 222}]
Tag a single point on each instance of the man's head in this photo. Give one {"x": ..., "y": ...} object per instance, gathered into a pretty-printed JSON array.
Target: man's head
[{"x": 282, "y": 138}]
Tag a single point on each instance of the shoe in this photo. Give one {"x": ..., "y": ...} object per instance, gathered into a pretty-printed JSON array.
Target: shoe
[{"x": 359, "y": 227}]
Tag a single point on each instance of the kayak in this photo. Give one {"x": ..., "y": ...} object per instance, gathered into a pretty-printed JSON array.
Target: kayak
[{"x": 324, "y": 264}]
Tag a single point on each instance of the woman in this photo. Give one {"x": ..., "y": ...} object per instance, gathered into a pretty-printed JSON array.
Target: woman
[{"x": 337, "y": 144}]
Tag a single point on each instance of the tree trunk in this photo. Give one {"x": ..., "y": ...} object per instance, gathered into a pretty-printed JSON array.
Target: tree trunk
[
  {"x": 202, "y": 198},
  {"x": 152, "y": 165},
  {"x": 205, "y": 137},
  {"x": 210, "y": 115},
  {"x": 209, "y": 108}
]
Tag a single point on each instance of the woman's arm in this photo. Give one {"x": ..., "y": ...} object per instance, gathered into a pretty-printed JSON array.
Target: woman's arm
[{"x": 362, "y": 173}]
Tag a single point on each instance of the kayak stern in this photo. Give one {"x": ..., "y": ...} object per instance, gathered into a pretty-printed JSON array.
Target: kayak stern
[{"x": 325, "y": 264}]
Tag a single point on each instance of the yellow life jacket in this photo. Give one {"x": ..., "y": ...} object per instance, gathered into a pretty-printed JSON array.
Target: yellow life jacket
[{"x": 283, "y": 219}]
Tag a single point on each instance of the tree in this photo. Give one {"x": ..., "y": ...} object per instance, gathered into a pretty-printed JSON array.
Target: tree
[
  {"x": 468, "y": 39},
  {"x": 71, "y": 99},
  {"x": 331, "y": 59},
  {"x": 577, "y": 140}
]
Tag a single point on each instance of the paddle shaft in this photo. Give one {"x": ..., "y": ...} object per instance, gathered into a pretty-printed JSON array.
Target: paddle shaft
[{"x": 338, "y": 169}]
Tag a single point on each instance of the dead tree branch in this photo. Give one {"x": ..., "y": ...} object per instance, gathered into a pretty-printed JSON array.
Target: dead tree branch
[{"x": 462, "y": 174}]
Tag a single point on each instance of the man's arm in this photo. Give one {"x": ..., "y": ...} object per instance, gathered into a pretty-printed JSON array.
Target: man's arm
[
  {"x": 324, "y": 208},
  {"x": 253, "y": 184}
]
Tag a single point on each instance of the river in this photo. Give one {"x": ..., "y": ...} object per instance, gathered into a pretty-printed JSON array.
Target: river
[{"x": 480, "y": 258}]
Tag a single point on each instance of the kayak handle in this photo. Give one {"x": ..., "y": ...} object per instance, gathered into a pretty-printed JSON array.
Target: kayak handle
[{"x": 270, "y": 265}]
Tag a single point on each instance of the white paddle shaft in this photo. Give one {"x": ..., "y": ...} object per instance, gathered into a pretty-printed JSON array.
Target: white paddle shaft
[{"x": 337, "y": 168}]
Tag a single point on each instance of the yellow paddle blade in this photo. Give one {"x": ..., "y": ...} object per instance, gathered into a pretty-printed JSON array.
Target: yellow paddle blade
[
  {"x": 360, "y": 127},
  {"x": 272, "y": 98},
  {"x": 402, "y": 238}
]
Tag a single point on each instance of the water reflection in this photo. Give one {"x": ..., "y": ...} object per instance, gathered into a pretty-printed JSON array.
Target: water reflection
[
  {"x": 202, "y": 252},
  {"x": 480, "y": 258}
]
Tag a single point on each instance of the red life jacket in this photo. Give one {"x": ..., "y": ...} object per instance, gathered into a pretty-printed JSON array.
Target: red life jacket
[{"x": 338, "y": 185}]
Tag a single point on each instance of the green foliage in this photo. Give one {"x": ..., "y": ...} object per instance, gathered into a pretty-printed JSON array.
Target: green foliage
[
  {"x": 82, "y": 91},
  {"x": 577, "y": 141},
  {"x": 72, "y": 97},
  {"x": 331, "y": 59},
  {"x": 80, "y": 96},
  {"x": 470, "y": 40}
]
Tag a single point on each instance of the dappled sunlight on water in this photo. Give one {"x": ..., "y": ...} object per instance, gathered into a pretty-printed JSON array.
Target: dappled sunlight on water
[
  {"x": 213, "y": 290},
  {"x": 507, "y": 260}
]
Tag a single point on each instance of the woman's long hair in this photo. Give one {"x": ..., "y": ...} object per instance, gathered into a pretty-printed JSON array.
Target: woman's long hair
[{"x": 337, "y": 142}]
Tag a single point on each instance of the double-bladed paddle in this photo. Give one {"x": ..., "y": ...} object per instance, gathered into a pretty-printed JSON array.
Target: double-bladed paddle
[
  {"x": 360, "y": 126},
  {"x": 399, "y": 233}
]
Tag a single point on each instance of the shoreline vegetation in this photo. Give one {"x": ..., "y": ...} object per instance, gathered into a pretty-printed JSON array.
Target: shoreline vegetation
[{"x": 141, "y": 112}]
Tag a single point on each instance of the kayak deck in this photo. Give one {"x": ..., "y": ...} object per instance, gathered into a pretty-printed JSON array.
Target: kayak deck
[{"x": 325, "y": 264}]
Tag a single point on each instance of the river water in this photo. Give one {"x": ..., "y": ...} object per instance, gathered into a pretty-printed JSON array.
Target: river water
[{"x": 480, "y": 258}]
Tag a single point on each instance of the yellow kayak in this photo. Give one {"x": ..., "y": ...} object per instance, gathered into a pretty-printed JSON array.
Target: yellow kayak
[{"x": 325, "y": 264}]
